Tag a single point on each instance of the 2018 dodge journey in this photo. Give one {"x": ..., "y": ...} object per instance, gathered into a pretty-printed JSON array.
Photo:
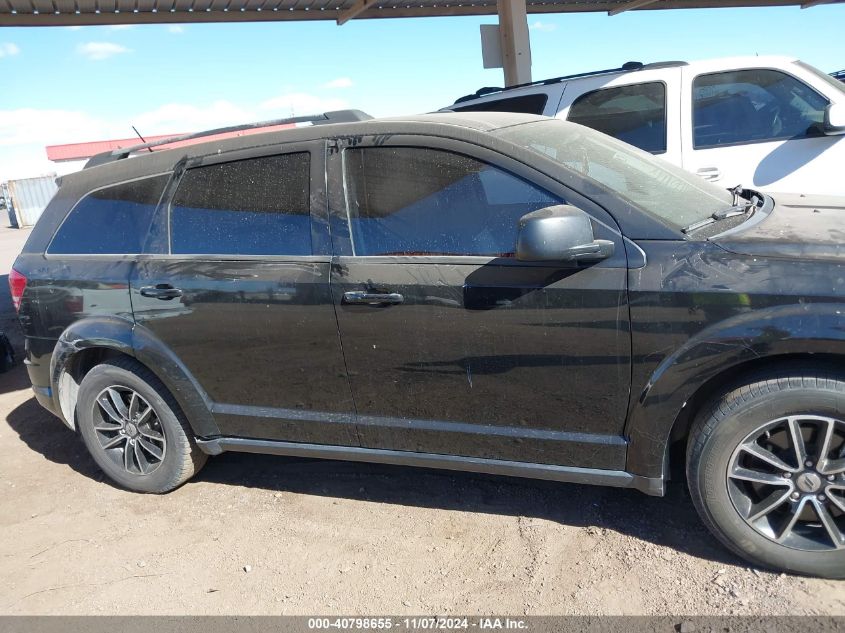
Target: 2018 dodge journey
[{"x": 481, "y": 291}]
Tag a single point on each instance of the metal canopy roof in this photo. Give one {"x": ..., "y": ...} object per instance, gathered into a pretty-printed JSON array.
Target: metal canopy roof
[{"x": 79, "y": 12}]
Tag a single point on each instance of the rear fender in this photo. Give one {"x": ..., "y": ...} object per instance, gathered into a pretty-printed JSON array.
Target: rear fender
[{"x": 123, "y": 336}]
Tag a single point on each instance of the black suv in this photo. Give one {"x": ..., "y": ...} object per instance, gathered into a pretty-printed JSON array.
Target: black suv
[{"x": 492, "y": 292}]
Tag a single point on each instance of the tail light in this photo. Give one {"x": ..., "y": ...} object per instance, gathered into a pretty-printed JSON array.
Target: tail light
[{"x": 17, "y": 284}]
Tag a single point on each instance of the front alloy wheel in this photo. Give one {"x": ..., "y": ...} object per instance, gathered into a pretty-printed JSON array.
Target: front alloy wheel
[
  {"x": 766, "y": 469},
  {"x": 787, "y": 480}
]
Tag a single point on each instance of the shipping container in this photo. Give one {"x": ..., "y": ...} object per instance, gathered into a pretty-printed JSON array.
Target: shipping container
[{"x": 27, "y": 198}]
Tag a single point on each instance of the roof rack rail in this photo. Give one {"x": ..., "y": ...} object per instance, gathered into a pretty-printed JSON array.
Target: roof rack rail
[
  {"x": 336, "y": 116},
  {"x": 626, "y": 67}
]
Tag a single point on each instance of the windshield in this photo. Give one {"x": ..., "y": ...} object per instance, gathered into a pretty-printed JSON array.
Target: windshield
[
  {"x": 834, "y": 83},
  {"x": 651, "y": 184}
]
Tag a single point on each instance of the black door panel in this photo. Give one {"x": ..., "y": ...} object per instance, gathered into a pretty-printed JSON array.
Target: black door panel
[
  {"x": 258, "y": 336},
  {"x": 242, "y": 301},
  {"x": 506, "y": 362},
  {"x": 483, "y": 356}
]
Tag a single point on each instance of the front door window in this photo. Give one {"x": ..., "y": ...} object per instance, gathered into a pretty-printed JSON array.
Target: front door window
[
  {"x": 415, "y": 201},
  {"x": 753, "y": 106}
]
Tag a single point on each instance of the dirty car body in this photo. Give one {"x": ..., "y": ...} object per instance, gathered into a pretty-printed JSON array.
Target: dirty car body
[{"x": 397, "y": 320}]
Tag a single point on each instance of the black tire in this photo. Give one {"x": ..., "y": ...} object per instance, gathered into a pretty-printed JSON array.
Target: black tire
[
  {"x": 753, "y": 414},
  {"x": 180, "y": 457}
]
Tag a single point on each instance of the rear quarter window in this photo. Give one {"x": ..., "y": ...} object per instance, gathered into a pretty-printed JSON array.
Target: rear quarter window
[{"x": 113, "y": 220}]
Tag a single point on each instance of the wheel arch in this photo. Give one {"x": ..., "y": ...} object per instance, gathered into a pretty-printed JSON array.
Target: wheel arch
[
  {"x": 716, "y": 357},
  {"x": 722, "y": 383},
  {"x": 89, "y": 342}
]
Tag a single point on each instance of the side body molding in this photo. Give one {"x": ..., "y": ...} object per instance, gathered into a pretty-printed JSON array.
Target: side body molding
[
  {"x": 122, "y": 335},
  {"x": 773, "y": 333}
]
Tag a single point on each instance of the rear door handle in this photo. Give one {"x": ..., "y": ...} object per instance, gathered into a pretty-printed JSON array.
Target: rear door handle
[
  {"x": 161, "y": 291},
  {"x": 710, "y": 174},
  {"x": 372, "y": 298}
]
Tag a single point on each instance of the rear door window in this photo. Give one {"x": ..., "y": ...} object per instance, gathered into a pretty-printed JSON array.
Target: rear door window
[
  {"x": 257, "y": 206},
  {"x": 635, "y": 114},
  {"x": 110, "y": 221}
]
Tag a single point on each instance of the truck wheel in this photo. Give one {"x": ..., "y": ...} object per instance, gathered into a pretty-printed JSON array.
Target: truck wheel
[
  {"x": 766, "y": 471},
  {"x": 134, "y": 429}
]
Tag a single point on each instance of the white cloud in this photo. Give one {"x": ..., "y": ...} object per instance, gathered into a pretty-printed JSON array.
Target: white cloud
[
  {"x": 49, "y": 127},
  {"x": 176, "y": 118},
  {"x": 56, "y": 126},
  {"x": 542, "y": 26},
  {"x": 7, "y": 49},
  {"x": 32, "y": 162},
  {"x": 340, "y": 82},
  {"x": 98, "y": 51},
  {"x": 25, "y": 132},
  {"x": 175, "y": 29},
  {"x": 298, "y": 104}
]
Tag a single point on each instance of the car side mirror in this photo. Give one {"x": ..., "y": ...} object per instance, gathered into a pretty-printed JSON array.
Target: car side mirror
[
  {"x": 561, "y": 233},
  {"x": 834, "y": 119}
]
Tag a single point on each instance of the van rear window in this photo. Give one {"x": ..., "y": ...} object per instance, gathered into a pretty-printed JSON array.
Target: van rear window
[
  {"x": 110, "y": 221},
  {"x": 525, "y": 104}
]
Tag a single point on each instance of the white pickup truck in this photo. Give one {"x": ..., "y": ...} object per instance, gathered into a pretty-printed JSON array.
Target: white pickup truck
[{"x": 772, "y": 123}]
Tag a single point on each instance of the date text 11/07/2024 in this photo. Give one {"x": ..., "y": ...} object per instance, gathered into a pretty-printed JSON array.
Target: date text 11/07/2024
[{"x": 418, "y": 623}]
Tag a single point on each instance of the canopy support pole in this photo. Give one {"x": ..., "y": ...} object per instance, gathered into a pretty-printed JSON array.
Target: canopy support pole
[{"x": 515, "y": 42}]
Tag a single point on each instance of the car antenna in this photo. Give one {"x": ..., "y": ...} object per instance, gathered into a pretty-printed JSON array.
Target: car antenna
[{"x": 143, "y": 140}]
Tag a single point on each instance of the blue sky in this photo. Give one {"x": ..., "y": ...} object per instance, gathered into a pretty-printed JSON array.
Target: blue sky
[{"x": 80, "y": 84}]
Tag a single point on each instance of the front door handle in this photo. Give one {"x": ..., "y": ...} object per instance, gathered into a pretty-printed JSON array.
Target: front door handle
[
  {"x": 364, "y": 297},
  {"x": 164, "y": 292},
  {"x": 710, "y": 174}
]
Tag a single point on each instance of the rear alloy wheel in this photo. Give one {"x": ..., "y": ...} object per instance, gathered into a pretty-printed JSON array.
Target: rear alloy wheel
[
  {"x": 129, "y": 430},
  {"x": 134, "y": 429},
  {"x": 766, "y": 471}
]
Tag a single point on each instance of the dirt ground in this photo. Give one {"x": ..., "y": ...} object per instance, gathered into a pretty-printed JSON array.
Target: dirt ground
[{"x": 270, "y": 535}]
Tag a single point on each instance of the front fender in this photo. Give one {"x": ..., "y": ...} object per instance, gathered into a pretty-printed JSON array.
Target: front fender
[
  {"x": 122, "y": 335},
  {"x": 779, "y": 331}
]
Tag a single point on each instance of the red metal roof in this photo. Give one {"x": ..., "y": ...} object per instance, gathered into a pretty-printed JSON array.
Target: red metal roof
[{"x": 84, "y": 151}]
